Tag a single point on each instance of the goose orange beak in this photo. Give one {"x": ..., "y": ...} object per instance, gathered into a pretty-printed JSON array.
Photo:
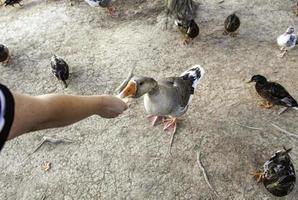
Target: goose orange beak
[{"x": 130, "y": 90}]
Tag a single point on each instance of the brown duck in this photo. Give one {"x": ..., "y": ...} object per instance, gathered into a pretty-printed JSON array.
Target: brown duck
[
  {"x": 273, "y": 93},
  {"x": 232, "y": 24}
]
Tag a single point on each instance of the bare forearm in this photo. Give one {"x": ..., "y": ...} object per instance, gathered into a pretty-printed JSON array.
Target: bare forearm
[{"x": 51, "y": 111}]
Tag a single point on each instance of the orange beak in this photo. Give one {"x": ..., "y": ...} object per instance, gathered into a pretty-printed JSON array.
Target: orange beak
[{"x": 129, "y": 90}]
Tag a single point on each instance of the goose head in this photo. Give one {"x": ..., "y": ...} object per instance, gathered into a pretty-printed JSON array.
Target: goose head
[{"x": 138, "y": 86}]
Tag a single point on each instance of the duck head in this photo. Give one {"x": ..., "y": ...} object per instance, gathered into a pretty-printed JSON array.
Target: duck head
[
  {"x": 258, "y": 79},
  {"x": 290, "y": 30},
  {"x": 138, "y": 86}
]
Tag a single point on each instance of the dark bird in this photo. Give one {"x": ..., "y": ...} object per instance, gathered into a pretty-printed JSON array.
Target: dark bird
[
  {"x": 12, "y": 2},
  {"x": 60, "y": 69},
  {"x": 278, "y": 174},
  {"x": 104, "y": 4},
  {"x": 273, "y": 93},
  {"x": 190, "y": 30},
  {"x": 185, "y": 14},
  {"x": 232, "y": 23},
  {"x": 4, "y": 54}
]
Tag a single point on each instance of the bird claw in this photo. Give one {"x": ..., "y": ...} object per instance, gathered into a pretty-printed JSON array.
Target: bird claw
[
  {"x": 155, "y": 120},
  {"x": 259, "y": 176},
  {"x": 266, "y": 105},
  {"x": 170, "y": 126},
  {"x": 112, "y": 11}
]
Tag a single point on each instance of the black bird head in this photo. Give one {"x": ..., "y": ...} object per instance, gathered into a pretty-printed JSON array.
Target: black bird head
[{"x": 258, "y": 79}]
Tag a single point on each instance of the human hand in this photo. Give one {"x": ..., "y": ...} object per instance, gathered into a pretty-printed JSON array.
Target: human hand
[{"x": 111, "y": 106}]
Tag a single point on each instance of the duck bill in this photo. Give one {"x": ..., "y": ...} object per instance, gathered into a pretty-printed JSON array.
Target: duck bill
[
  {"x": 129, "y": 91},
  {"x": 250, "y": 81}
]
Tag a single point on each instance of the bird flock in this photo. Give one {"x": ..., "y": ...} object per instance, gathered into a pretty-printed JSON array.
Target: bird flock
[{"x": 169, "y": 98}]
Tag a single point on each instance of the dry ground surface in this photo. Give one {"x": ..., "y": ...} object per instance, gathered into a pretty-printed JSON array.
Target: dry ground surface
[{"x": 125, "y": 158}]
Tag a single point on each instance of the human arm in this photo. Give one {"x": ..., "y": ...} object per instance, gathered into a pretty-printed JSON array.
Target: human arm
[{"x": 50, "y": 111}]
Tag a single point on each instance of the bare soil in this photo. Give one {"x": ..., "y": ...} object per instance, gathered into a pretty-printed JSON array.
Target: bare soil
[{"x": 125, "y": 158}]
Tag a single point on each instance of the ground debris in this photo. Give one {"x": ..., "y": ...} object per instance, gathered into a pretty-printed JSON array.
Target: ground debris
[
  {"x": 284, "y": 131},
  {"x": 249, "y": 127},
  {"x": 46, "y": 166},
  {"x": 51, "y": 140},
  {"x": 204, "y": 173}
]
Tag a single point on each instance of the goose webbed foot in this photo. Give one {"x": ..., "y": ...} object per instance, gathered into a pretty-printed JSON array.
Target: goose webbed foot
[
  {"x": 170, "y": 125},
  {"x": 112, "y": 11},
  {"x": 155, "y": 120}
]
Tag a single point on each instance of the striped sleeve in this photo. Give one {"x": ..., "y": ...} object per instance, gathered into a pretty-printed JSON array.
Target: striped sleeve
[{"x": 6, "y": 113}]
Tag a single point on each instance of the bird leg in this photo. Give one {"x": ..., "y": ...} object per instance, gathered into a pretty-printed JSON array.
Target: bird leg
[
  {"x": 283, "y": 52},
  {"x": 186, "y": 40},
  {"x": 266, "y": 105},
  {"x": 155, "y": 120},
  {"x": 234, "y": 34},
  {"x": 112, "y": 11},
  {"x": 7, "y": 60},
  {"x": 259, "y": 176},
  {"x": 170, "y": 125},
  {"x": 225, "y": 32}
]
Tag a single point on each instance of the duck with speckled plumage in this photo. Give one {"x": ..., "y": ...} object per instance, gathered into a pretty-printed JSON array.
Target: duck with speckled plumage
[
  {"x": 185, "y": 14},
  {"x": 278, "y": 174},
  {"x": 232, "y": 24}
]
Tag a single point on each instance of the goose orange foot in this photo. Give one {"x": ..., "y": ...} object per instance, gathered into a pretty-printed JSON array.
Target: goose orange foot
[
  {"x": 112, "y": 11},
  {"x": 170, "y": 125},
  {"x": 155, "y": 120}
]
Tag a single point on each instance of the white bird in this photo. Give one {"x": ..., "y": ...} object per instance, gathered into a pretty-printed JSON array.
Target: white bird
[
  {"x": 103, "y": 4},
  {"x": 287, "y": 41}
]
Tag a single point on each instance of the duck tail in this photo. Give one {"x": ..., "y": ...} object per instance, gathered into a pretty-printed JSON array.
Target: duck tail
[{"x": 194, "y": 74}]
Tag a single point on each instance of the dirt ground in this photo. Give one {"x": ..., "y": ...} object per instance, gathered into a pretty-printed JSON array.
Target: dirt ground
[{"x": 125, "y": 158}]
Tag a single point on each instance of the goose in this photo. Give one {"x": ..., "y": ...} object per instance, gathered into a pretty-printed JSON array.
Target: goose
[{"x": 167, "y": 99}]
